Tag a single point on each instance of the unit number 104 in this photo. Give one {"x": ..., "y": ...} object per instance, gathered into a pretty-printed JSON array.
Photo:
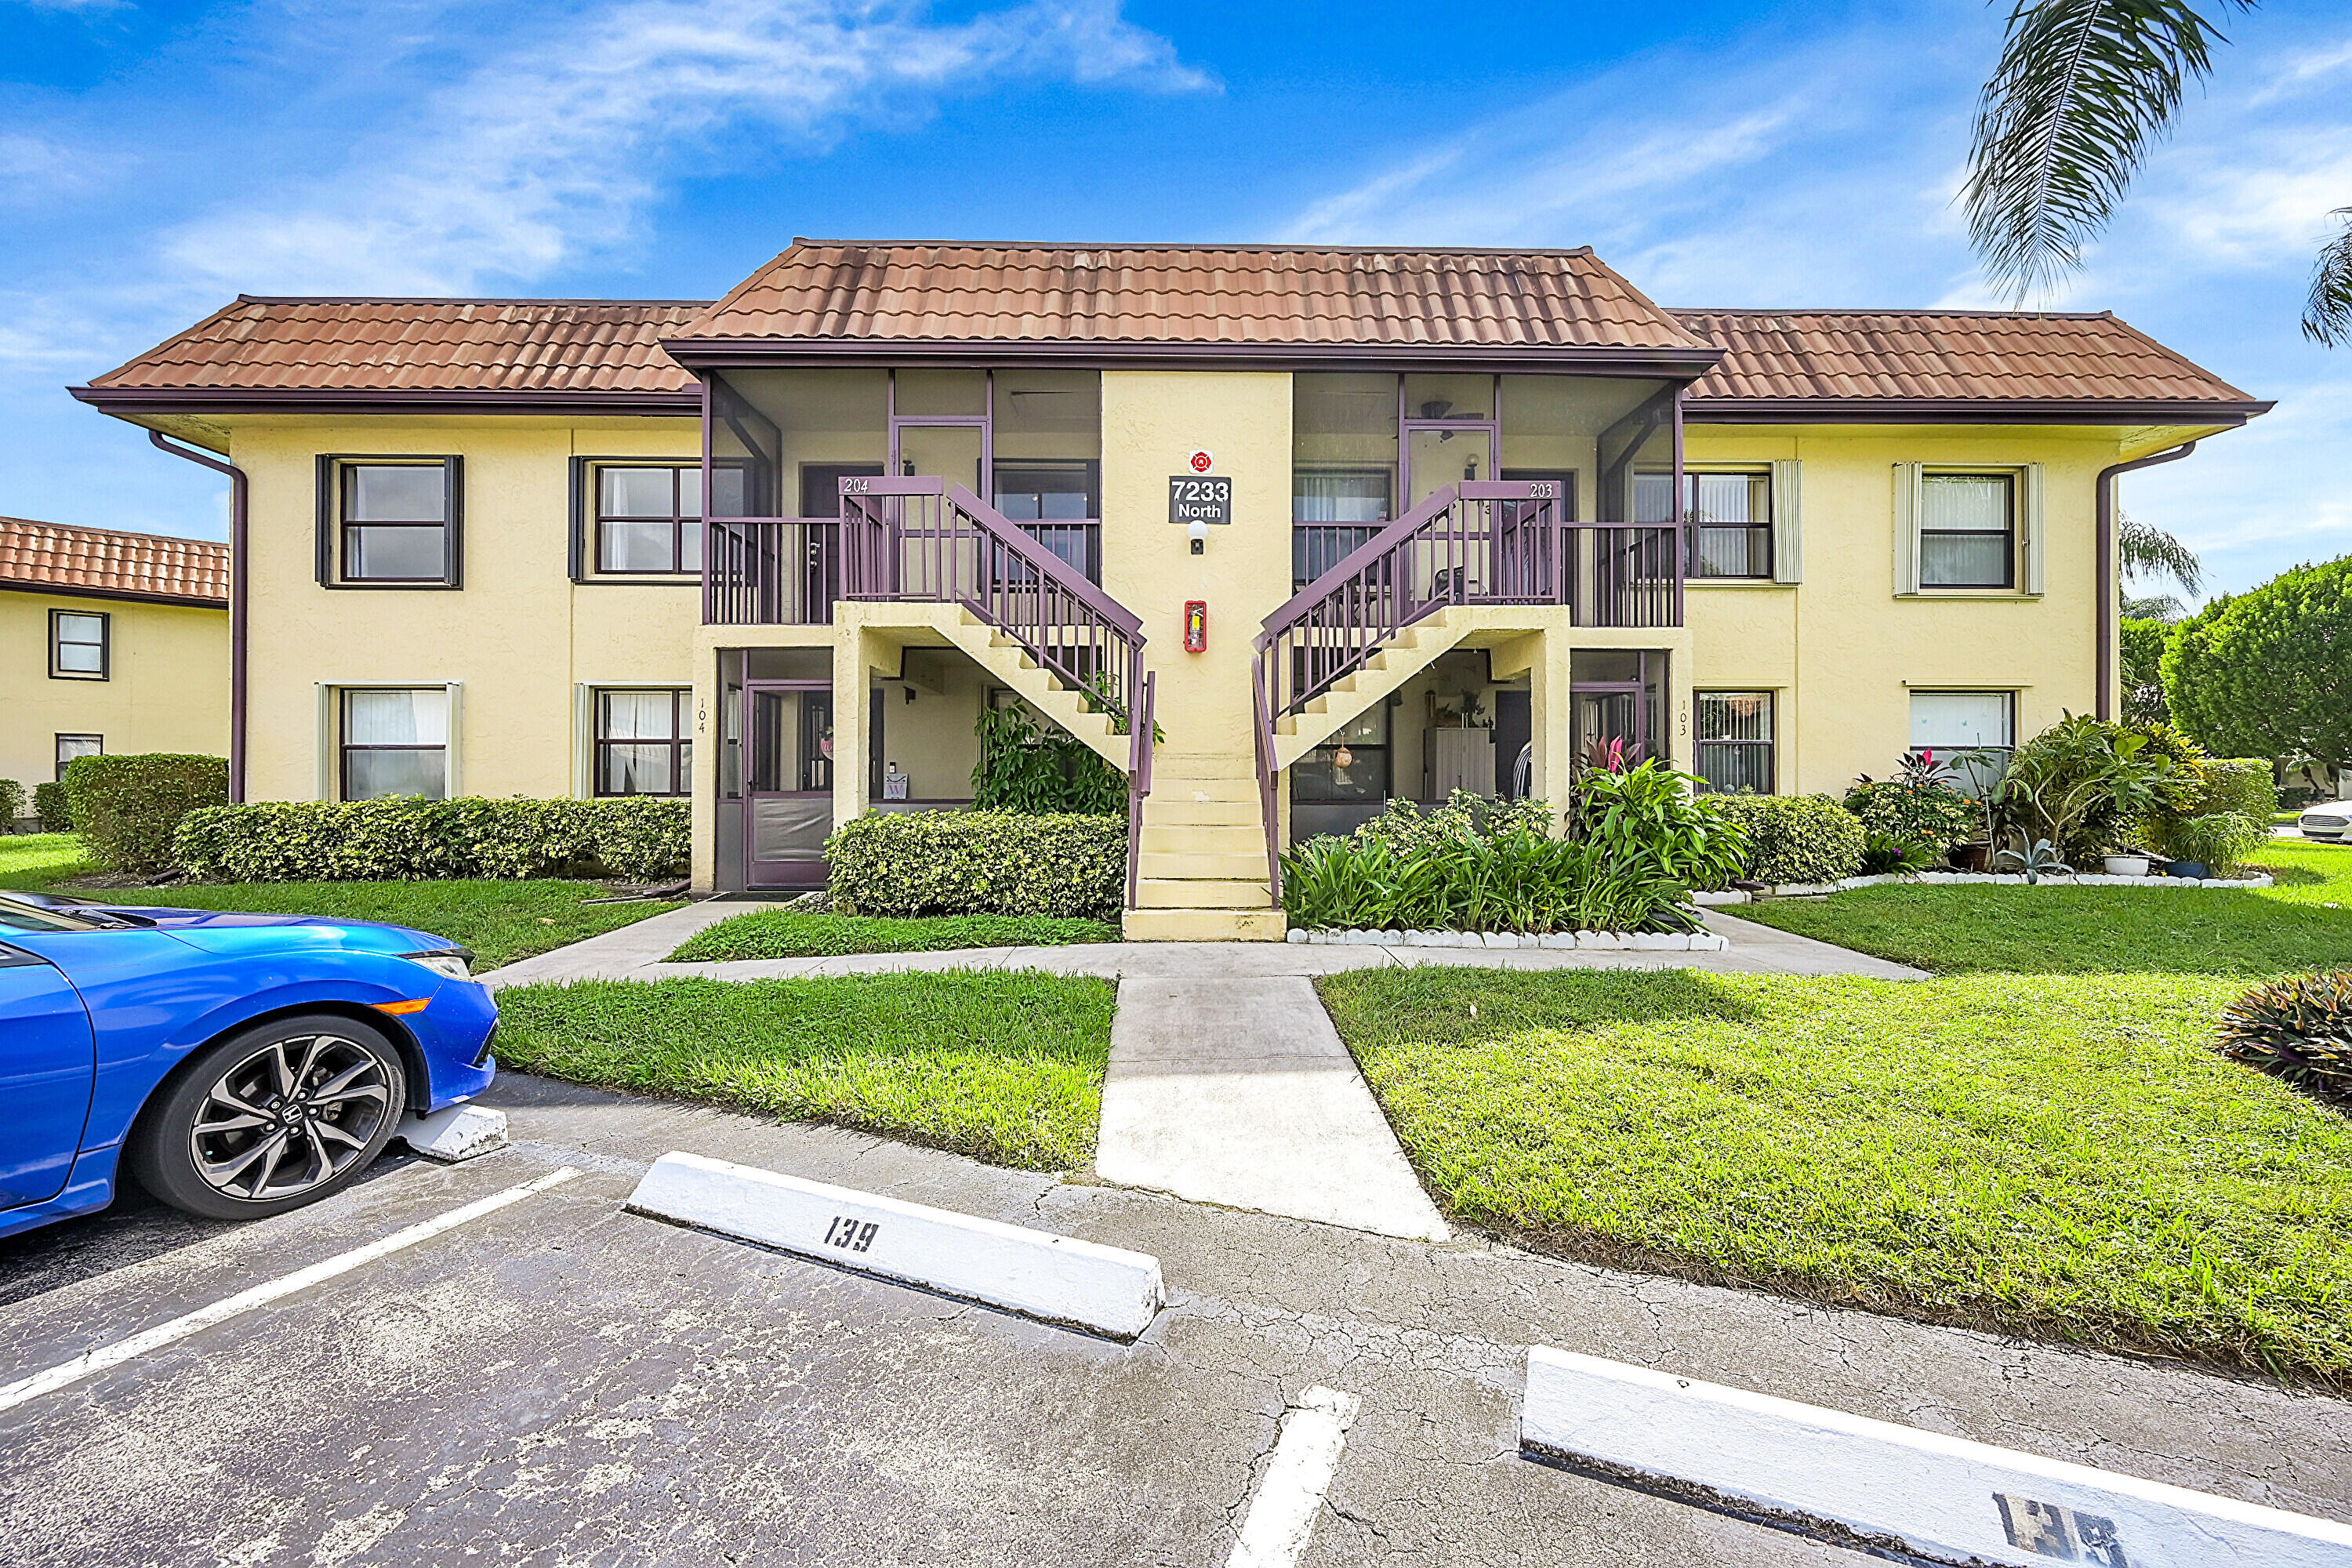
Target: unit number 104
[{"x": 850, "y": 1235}]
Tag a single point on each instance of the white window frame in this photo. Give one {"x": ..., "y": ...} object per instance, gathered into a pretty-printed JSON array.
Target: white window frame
[
  {"x": 327, "y": 782},
  {"x": 2030, "y": 525}
]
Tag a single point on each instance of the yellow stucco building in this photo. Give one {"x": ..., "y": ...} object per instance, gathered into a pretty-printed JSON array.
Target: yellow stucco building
[
  {"x": 109, "y": 641},
  {"x": 1349, "y": 525}
]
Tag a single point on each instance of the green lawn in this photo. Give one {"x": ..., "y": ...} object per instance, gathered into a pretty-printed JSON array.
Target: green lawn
[
  {"x": 1006, "y": 1067},
  {"x": 2302, "y": 924},
  {"x": 501, "y": 922},
  {"x": 783, "y": 933},
  {"x": 2061, "y": 1155}
]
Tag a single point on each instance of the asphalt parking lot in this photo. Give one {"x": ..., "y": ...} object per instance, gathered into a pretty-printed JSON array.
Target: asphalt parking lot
[{"x": 563, "y": 1381}]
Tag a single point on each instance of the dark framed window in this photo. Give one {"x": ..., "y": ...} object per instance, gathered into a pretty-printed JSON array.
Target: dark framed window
[
  {"x": 389, "y": 522},
  {"x": 1058, "y": 503},
  {"x": 80, "y": 645},
  {"x": 72, "y": 746},
  {"x": 1735, "y": 742},
  {"x": 649, "y": 519},
  {"x": 1729, "y": 513},
  {"x": 1967, "y": 530},
  {"x": 1333, "y": 511},
  {"x": 1352, "y": 765},
  {"x": 396, "y": 740},
  {"x": 643, "y": 743}
]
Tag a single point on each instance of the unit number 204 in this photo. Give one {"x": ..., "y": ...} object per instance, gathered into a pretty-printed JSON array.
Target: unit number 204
[{"x": 848, "y": 1235}]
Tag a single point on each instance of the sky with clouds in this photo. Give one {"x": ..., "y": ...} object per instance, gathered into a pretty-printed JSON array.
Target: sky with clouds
[{"x": 156, "y": 160}]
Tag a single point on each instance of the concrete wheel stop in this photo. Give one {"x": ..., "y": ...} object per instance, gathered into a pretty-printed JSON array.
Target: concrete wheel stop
[
  {"x": 455, "y": 1133},
  {"x": 1057, "y": 1279},
  {"x": 1887, "y": 1490}
]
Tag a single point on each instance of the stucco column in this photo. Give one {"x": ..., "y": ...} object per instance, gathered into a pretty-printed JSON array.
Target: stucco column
[
  {"x": 1553, "y": 708},
  {"x": 855, "y": 655},
  {"x": 703, "y": 783}
]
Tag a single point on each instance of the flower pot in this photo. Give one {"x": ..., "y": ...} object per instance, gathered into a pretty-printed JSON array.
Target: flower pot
[
  {"x": 1972, "y": 857},
  {"x": 2191, "y": 869},
  {"x": 2126, "y": 865}
]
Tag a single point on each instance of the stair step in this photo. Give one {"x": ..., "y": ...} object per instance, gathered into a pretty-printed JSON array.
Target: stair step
[
  {"x": 1205, "y": 925},
  {"x": 1161, "y": 808},
  {"x": 1191, "y": 893},
  {"x": 1196, "y": 865},
  {"x": 1203, "y": 839},
  {"x": 1201, "y": 791}
]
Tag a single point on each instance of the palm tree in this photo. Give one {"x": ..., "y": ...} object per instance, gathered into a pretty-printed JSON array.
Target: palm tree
[
  {"x": 2082, "y": 90},
  {"x": 2147, "y": 550}
]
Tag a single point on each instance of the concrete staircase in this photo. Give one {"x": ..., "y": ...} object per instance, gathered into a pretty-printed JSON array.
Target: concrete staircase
[
  {"x": 1003, "y": 656},
  {"x": 1202, "y": 867},
  {"x": 1400, "y": 659}
]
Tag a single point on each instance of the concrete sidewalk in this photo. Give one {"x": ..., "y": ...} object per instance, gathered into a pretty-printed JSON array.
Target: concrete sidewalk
[
  {"x": 640, "y": 952},
  {"x": 1239, "y": 1092}
]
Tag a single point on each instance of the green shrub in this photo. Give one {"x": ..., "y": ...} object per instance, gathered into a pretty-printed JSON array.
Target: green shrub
[
  {"x": 2222, "y": 842},
  {"x": 1797, "y": 837},
  {"x": 1406, "y": 828},
  {"x": 12, "y": 805},
  {"x": 2086, "y": 785},
  {"x": 127, "y": 807},
  {"x": 2299, "y": 1029},
  {"x": 408, "y": 837},
  {"x": 1920, "y": 803},
  {"x": 1066, "y": 866},
  {"x": 1036, "y": 768},
  {"x": 2242, "y": 784},
  {"x": 1885, "y": 853},
  {"x": 49, "y": 806},
  {"x": 1652, "y": 819},
  {"x": 1520, "y": 882}
]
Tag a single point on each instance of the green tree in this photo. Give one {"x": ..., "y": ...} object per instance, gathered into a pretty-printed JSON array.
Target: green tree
[
  {"x": 2142, "y": 650},
  {"x": 2265, "y": 674},
  {"x": 2082, "y": 89}
]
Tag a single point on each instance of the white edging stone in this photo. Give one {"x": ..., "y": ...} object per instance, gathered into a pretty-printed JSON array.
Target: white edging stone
[
  {"x": 458, "y": 1133},
  {"x": 1857, "y": 1482},
  {"x": 1603, "y": 940},
  {"x": 2001, "y": 879},
  {"x": 1058, "y": 1278}
]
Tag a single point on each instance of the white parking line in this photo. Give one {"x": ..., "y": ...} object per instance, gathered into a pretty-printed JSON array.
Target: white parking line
[
  {"x": 94, "y": 1360},
  {"x": 1290, "y": 1494}
]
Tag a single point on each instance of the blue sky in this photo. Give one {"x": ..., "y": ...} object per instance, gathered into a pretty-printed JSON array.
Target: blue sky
[{"x": 156, "y": 160}]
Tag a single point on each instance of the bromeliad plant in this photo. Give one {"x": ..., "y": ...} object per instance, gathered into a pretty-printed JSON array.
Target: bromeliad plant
[
  {"x": 1650, "y": 819},
  {"x": 2298, "y": 1029}
]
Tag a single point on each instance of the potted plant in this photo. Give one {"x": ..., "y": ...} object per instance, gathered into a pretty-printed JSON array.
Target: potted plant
[{"x": 2126, "y": 861}]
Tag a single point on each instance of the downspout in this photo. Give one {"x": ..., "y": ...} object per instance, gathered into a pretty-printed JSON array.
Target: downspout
[
  {"x": 237, "y": 604},
  {"x": 2108, "y": 588}
]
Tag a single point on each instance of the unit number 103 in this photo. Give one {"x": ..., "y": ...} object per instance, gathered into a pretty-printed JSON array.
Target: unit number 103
[{"x": 848, "y": 1235}]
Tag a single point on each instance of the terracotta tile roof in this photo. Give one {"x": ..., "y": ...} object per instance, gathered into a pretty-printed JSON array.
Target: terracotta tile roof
[
  {"x": 1235, "y": 298},
  {"x": 1944, "y": 356},
  {"x": 489, "y": 348},
  {"x": 111, "y": 562}
]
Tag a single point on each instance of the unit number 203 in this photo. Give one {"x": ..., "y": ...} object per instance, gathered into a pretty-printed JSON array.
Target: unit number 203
[{"x": 848, "y": 1235}]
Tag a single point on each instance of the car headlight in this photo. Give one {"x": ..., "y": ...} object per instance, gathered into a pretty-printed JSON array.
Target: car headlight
[{"x": 450, "y": 963}]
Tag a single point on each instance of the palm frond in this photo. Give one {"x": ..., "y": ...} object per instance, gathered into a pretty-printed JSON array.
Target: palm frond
[
  {"x": 2162, "y": 607},
  {"x": 2147, "y": 550},
  {"x": 2327, "y": 317},
  {"x": 2082, "y": 88}
]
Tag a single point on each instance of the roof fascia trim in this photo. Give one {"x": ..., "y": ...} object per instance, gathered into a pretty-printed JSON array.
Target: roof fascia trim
[
  {"x": 84, "y": 591},
  {"x": 128, "y": 400},
  {"x": 1966, "y": 411},
  {"x": 751, "y": 354}
]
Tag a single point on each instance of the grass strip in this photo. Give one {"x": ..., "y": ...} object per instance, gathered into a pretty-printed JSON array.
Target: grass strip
[
  {"x": 1006, "y": 1067},
  {"x": 2064, "y": 1157},
  {"x": 785, "y": 934}
]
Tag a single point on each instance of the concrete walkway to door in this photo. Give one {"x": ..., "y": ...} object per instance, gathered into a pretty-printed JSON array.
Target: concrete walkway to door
[{"x": 1239, "y": 1092}]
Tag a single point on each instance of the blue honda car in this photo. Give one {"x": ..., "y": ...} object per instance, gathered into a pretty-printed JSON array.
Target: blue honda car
[{"x": 234, "y": 1065}]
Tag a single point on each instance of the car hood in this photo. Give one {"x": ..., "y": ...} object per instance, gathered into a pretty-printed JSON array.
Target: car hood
[{"x": 230, "y": 932}]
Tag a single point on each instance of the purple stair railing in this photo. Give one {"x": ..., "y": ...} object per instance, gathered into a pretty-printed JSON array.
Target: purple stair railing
[{"x": 1475, "y": 543}]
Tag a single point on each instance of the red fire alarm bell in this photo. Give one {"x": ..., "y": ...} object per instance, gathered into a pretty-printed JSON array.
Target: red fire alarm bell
[{"x": 1196, "y": 626}]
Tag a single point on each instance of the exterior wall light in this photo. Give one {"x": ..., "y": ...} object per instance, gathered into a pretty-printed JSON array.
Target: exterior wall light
[{"x": 1198, "y": 532}]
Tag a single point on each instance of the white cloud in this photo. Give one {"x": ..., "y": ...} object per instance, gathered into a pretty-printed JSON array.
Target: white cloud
[{"x": 554, "y": 150}]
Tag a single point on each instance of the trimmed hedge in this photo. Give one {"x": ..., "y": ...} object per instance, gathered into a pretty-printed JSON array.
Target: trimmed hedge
[
  {"x": 12, "y": 805},
  {"x": 49, "y": 806},
  {"x": 127, "y": 808},
  {"x": 1797, "y": 837},
  {"x": 979, "y": 863},
  {"x": 1921, "y": 811},
  {"x": 635, "y": 838}
]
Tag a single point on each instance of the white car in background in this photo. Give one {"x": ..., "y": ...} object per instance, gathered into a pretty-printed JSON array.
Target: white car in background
[{"x": 2330, "y": 822}]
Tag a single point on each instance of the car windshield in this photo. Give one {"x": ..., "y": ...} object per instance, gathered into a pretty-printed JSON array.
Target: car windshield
[{"x": 17, "y": 915}]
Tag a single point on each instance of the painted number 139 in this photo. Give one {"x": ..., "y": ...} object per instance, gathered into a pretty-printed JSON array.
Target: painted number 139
[{"x": 848, "y": 1235}]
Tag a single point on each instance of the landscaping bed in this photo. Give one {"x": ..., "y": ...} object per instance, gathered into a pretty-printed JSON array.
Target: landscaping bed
[
  {"x": 1005, "y": 1067},
  {"x": 501, "y": 921},
  {"x": 2060, "y": 1155},
  {"x": 792, "y": 934}
]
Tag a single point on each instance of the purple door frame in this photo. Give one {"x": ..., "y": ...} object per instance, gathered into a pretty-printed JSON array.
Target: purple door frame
[{"x": 784, "y": 873}]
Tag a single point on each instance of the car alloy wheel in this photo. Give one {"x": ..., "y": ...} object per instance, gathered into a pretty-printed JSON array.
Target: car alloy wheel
[{"x": 292, "y": 1116}]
